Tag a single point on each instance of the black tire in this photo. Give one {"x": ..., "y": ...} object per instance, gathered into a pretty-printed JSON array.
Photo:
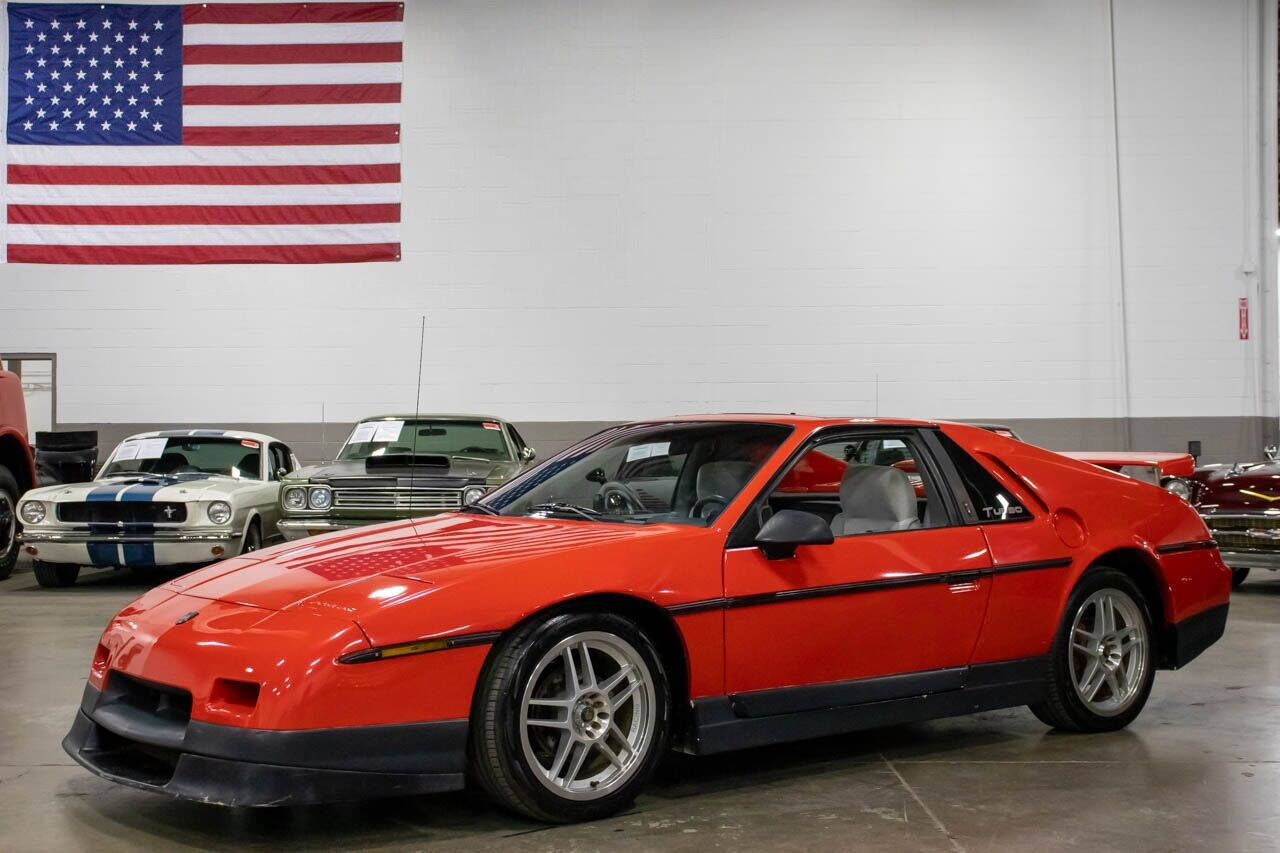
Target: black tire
[
  {"x": 55, "y": 574},
  {"x": 1238, "y": 577},
  {"x": 8, "y": 522},
  {"x": 1064, "y": 709},
  {"x": 497, "y": 758},
  {"x": 252, "y": 538}
]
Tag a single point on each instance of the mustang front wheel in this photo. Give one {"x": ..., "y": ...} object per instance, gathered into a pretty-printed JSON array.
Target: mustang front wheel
[
  {"x": 1102, "y": 664},
  {"x": 570, "y": 717}
]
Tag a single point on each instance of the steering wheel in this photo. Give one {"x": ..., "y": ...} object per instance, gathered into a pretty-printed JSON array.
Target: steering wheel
[
  {"x": 695, "y": 511},
  {"x": 617, "y": 498}
]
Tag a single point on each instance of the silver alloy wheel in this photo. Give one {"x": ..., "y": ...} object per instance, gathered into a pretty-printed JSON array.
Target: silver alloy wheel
[
  {"x": 1108, "y": 656},
  {"x": 587, "y": 715},
  {"x": 9, "y": 529}
]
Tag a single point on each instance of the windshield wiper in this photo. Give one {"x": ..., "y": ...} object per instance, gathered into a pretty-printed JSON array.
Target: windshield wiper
[
  {"x": 572, "y": 509},
  {"x": 487, "y": 510}
]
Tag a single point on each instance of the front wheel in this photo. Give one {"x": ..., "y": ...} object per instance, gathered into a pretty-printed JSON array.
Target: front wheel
[
  {"x": 1238, "y": 577},
  {"x": 55, "y": 574},
  {"x": 252, "y": 538},
  {"x": 1103, "y": 660},
  {"x": 570, "y": 718},
  {"x": 8, "y": 522}
]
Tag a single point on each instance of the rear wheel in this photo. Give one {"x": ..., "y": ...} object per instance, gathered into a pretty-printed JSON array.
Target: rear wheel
[
  {"x": 1103, "y": 660},
  {"x": 55, "y": 574},
  {"x": 1238, "y": 577},
  {"x": 570, "y": 718}
]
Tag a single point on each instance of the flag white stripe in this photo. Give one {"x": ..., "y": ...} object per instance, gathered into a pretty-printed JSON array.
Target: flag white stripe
[
  {"x": 203, "y": 235},
  {"x": 202, "y": 155},
  {"x": 219, "y": 194},
  {"x": 271, "y": 115},
  {"x": 388, "y": 31},
  {"x": 291, "y": 75}
]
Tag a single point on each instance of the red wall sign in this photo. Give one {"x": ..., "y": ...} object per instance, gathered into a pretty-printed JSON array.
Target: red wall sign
[{"x": 1244, "y": 318}]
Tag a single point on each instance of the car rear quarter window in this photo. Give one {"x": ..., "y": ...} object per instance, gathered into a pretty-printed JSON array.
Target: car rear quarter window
[{"x": 991, "y": 501}]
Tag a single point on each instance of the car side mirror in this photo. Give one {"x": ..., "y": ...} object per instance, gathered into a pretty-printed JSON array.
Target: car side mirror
[
  {"x": 597, "y": 475},
  {"x": 788, "y": 529},
  {"x": 527, "y": 454},
  {"x": 1272, "y": 452},
  {"x": 281, "y": 472}
]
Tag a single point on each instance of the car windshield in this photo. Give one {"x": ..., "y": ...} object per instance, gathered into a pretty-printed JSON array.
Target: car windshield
[
  {"x": 225, "y": 457},
  {"x": 682, "y": 473},
  {"x": 477, "y": 439}
]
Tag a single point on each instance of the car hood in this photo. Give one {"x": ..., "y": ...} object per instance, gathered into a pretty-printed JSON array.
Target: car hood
[
  {"x": 373, "y": 568},
  {"x": 185, "y": 487},
  {"x": 469, "y": 469},
  {"x": 1240, "y": 487}
]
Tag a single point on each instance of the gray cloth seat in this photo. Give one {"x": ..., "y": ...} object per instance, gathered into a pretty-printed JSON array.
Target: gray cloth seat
[
  {"x": 875, "y": 499},
  {"x": 723, "y": 479}
]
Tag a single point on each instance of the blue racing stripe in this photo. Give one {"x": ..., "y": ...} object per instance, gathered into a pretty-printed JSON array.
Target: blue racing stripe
[
  {"x": 102, "y": 554},
  {"x": 141, "y": 492},
  {"x": 139, "y": 553},
  {"x": 105, "y": 493}
]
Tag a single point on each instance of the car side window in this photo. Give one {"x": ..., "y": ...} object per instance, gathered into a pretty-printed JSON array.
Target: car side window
[
  {"x": 863, "y": 484},
  {"x": 991, "y": 500},
  {"x": 281, "y": 458}
]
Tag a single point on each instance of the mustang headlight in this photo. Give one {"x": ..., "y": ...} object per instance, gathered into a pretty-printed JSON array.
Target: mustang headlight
[
  {"x": 33, "y": 512},
  {"x": 471, "y": 494},
  {"x": 219, "y": 512},
  {"x": 295, "y": 498},
  {"x": 1178, "y": 486},
  {"x": 321, "y": 498}
]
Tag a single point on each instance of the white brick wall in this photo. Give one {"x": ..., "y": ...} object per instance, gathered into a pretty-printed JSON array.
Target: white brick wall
[{"x": 625, "y": 209}]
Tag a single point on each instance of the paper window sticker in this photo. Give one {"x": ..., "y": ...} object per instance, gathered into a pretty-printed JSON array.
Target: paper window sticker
[
  {"x": 490, "y": 425},
  {"x": 364, "y": 433},
  {"x": 125, "y": 452},
  {"x": 151, "y": 448},
  {"x": 388, "y": 431},
  {"x": 644, "y": 451}
]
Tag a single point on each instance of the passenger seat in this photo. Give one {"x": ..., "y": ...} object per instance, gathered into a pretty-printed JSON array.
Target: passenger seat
[{"x": 875, "y": 499}]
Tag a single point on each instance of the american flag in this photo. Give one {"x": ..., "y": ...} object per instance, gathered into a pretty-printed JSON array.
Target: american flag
[{"x": 203, "y": 133}]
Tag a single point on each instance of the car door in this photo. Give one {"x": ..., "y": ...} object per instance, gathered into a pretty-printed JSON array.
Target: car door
[{"x": 875, "y": 615}]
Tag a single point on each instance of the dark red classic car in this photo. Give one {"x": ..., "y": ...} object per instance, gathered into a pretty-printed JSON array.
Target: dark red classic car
[
  {"x": 1240, "y": 502},
  {"x": 704, "y": 583}
]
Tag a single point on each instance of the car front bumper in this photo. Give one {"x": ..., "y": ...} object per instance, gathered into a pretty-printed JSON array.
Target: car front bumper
[
  {"x": 1251, "y": 560},
  {"x": 294, "y": 529},
  {"x": 232, "y": 766},
  {"x": 167, "y": 548}
]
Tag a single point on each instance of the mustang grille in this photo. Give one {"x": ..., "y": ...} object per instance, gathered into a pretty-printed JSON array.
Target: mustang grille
[
  {"x": 128, "y": 512},
  {"x": 1247, "y": 533},
  {"x": 373, "y": 498}
]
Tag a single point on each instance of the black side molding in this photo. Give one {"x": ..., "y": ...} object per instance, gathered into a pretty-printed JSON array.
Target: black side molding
[{"x": 1195, "y": 545}]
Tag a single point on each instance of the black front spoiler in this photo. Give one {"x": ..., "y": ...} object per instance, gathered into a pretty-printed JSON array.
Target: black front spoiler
[{"x": 232, "y": 766}]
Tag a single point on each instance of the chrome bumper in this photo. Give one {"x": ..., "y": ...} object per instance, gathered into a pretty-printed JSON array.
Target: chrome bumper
[
  {"x": 1251, "y": 560},
  {"x": 294, "y": 529},
  {"x": 82, "y": 536}
]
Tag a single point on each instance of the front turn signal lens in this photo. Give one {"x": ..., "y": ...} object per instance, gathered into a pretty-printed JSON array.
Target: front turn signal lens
[{"x": 421, "y": 647}]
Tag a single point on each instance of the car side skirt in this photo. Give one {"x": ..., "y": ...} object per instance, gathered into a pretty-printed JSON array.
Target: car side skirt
[{"x": 761, "y": 717}]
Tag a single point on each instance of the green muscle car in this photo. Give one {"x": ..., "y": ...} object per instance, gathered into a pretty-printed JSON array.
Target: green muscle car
[{"x": 402, "y": 466}]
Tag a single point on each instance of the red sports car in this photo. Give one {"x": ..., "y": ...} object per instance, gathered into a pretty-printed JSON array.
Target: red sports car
[{"x": 703, "y": 583}]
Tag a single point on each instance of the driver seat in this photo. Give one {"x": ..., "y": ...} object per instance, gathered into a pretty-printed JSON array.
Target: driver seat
[
  {"x": 720, "y": 479},
  {"x": 875, "y": 499}
]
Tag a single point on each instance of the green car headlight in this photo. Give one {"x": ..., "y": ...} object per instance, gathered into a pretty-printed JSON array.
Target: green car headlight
[
  {"x": 321, "y": 498},
  {"x": 295, "y": 497}
]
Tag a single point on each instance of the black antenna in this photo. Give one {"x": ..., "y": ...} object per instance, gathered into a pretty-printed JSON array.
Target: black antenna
[{"x": 417, "y": 404}]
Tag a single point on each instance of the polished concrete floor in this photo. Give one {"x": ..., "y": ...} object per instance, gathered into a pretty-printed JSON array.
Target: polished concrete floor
[{"x": 1199, "y": 770}]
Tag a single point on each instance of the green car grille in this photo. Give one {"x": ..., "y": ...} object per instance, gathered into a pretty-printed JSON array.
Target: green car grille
[{"x": 390, "y": 498}]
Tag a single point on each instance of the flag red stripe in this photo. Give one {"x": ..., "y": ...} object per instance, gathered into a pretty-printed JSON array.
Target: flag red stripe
[
  {"x": 291, "y": 13},
  {"x": 290, "y": 54},
  {"x": 320, "y": 93},
  {"x": 320, "y": 134},
  {"x": 175, "y": 214},
  {"x": 29, "y": 253},
  {"x": 377, "y": 173}
]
